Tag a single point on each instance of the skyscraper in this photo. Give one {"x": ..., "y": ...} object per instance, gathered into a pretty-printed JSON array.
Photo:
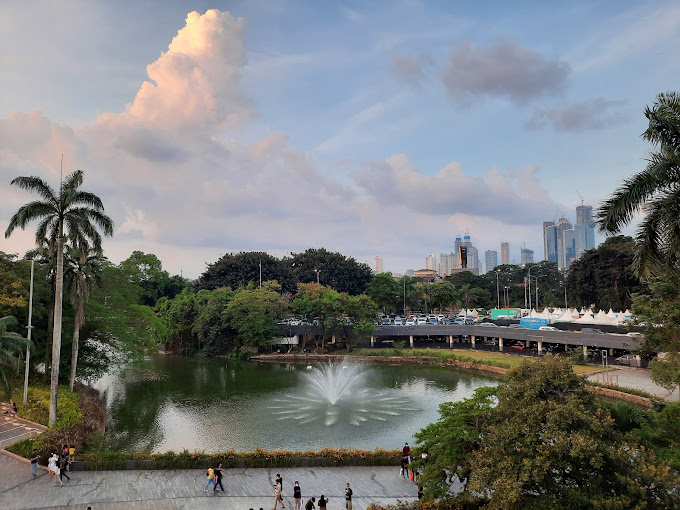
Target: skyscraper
[
  {"x": 446, "y": 264},
  {"x": 378, "y": 265},
  {"x": 431, "y": 262},
  {"x": 549, "y": 241},
  {"x": 505, "y": 252},
  {"x": 585, "y": 230},
  {"x": 562, "y": 226},
  {"x": 527, "y": 256},
  {"x": 491, "y": 259}
]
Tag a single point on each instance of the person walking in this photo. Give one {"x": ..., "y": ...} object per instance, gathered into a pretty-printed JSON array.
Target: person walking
[
  {"x": 297, "y": 496},
  {"x": 34, "y": 463},
  {"x": 310, "y": 504},
  {"x": 348, "y": 497},
  {"x": 277, "y": 496},
  {"x": 211, "y": 478},
  {"x": 218, "y": 477},
  {"x": 279, "y": 481},
  {"x": 63, "y": 468},
  {"x": 322, "y": 502}
]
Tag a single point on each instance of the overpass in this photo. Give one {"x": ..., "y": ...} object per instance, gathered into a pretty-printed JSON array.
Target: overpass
[{"x": 478, "y": 334}]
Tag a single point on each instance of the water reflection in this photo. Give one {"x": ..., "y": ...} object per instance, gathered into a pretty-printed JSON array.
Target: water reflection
[{"x": 211, "y": 405}]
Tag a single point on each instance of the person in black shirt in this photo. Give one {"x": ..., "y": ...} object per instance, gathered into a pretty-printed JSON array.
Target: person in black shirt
[
  {"x": 310, "y": 504},
  {"x": 322, "y": 502},
  {"x": 348, "y": 497},
  {"x": 420, "y": 492},
  {"x": 218, "y": 478},
  {"x": 297, "y": 495}
]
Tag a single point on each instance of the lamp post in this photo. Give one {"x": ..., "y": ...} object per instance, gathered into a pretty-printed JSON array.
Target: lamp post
[
  {"x": 317, "y": 271},
  {"x": 498, "y": 290},
  {"x": 529, "y": 292},
  {"x": 404, "y": 279},
  {"x": 507, "y": 296}
]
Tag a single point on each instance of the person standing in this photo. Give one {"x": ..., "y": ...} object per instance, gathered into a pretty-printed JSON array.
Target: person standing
[
  {"x": 218, "y": 477},
  {"x": 34, "y": 463},
  {"x": 310, "y": 503},
  {"x": 52, "y": 466},
  {"x": 407, "y": 451},
  {"x": 211, "y": 478},
  {"x": 297, "y": 496},
  {"x": 322, "y": 502},
  {"x": 279, "y": 481},
  {"x": 348, "y": 497},
  {"x": 277, "y": 496}
]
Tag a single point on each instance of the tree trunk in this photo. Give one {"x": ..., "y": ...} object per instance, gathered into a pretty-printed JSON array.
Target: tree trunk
[
  {"x": 50, "y": 329},
  {"x": 74, "y": 356},
  {"x": 56, "y": 334}
]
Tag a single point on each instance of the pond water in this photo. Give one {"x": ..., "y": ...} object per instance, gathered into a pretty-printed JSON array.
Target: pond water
[{"x": 172, "y": 403}]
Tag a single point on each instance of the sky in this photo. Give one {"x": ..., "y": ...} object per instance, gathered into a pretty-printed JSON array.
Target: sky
[{"x": 370, "y": 128}]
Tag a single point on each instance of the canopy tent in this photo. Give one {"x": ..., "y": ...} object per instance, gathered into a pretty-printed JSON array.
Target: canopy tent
[
  {"x": 588, "y": 318},
  {"x": 566, "y": 317},
  {"x": 611, "y": 314}
]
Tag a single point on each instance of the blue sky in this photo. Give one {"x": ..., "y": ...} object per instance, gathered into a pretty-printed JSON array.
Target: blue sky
[{"x": 382, "y": 128}]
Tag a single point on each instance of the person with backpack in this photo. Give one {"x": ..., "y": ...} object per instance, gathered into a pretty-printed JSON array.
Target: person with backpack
[{"x": 211, "y": 478}]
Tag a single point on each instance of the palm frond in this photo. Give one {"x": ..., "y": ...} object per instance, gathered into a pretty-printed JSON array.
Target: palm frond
[
  {"x": 27, "y": 213},
  {"x": 101, "y": 220},
  {"x": 36, "y": 185},
  {"x": 88, "y": 199}
]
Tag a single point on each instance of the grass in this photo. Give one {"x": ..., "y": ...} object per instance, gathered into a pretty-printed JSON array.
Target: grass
[{"x": 496, "y": 359}]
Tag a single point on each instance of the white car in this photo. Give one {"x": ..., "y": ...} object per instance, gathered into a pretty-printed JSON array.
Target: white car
[
  {"x": 398, "y": 321},
  {"x": 548, "y": 328},
  {"x": 421, "y": 321},
  {"x": 410, "y": 321}
]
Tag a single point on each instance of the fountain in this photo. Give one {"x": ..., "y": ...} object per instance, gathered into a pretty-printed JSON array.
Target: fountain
[{"x": 334, "y": 392}]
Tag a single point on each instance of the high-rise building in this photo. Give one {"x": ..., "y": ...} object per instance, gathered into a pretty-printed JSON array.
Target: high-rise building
[
  {"x": 550, "y": 241},
  {"x": 446, "y": 264},
  {"x": 527, "y": 256},
  {"x": 570, "y": 246},
  {"x": 505, "y": 252},
  {"x": 585, "y": 230},
  {"x": 491, "y": 259},
  {"x": 431, "y": 262},
  {"x": 562, "y": 226},
  {"x": 473, "y": 258},
  {"x": 378, "y": 265}
]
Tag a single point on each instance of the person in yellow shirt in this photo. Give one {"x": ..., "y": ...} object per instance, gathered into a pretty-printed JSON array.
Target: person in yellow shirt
[{"x": 211, "y": 478}]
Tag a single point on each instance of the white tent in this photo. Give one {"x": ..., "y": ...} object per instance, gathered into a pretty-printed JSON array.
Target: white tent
[
  {"x": 588, "y": 318},
  {"x": 621, "y": 319},
  {"x": 566, "y": 317},
  {"x": 583, "y": 311},
  {"x": 627, "y": 313},
  {"x": 611, "y": 314},
  {"x": 601, "y": 315}
]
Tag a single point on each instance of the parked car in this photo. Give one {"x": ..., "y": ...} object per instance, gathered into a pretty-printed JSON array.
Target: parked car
[
  {"x": 386, "y": 321},
  {"x": 446, "y": 321},
  {"x": 421, "y": 321},
  {"x": 627, "y": 359},
  {"x": 634, "y": 333},
  {"x": 487, "y": 324},
  {"x": 516, "y": 326},
  {"x": 548, "y": 328},
  {"x": 410, "y": 321},
  {"x": 432, "y": 320},
  {"x": 593, "y": 330},
  {"x": 398, "y": 321}
]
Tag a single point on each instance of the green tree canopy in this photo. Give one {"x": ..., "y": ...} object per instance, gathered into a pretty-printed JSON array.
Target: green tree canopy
[
  {"x": 254, "y": 311},
  {"x": 146, "y": 271},
  {"x": 342, "y": 273},
  {"x": 386, "y": 292},
  {"x": 235, "y": 270},
  {"x": 604, "y": 276}
]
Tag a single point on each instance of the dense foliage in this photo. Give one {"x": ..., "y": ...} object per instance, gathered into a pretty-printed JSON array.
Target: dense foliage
[
  {"x": 546, "y": 443},
  {"x": 604, "y": 276}
]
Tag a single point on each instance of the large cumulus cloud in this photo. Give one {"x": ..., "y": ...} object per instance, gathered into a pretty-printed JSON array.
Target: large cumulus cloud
[{"x": 177, "y": 181}]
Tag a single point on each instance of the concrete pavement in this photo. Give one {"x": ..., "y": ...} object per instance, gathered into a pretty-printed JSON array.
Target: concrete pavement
[
  {"x": 638, "y": 378},
  {"x": 183, "y": 489}
]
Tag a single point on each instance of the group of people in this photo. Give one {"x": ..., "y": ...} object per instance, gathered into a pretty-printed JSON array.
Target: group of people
[
  {"x": 58, "y": 465},
  {"x": 215, "y": 476},
  {"x": 310, "y": 504}
]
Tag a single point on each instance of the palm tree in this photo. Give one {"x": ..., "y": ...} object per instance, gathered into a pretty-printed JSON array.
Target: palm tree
[
  {"x": 83, "y": 268},
  {"x": 11, "y": 346},
  {"x": 73, "y": 213},
  {"x": 655, "y": 190}
]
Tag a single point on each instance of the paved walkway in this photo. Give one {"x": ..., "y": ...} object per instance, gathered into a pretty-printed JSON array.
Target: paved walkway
[
  {"x": 183, "y": 489},
  {"x": 14, "y": 429},
  {"x": 639, "y": 378}
]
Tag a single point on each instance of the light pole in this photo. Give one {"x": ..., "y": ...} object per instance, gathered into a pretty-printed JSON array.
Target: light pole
[
  {"x": 498, "y": 290},
  {"x": 404, "y": 295},
  {"x": 317, "y": 271},
  {"x": 507, "y": 296},
  {"x": 529, "y": 292},
  {"x": 260, "y": 274},
  {"x": 30, "y": 327}
]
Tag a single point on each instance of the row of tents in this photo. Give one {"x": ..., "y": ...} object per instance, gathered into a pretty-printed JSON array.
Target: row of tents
[{"x": 584, "y": 316}]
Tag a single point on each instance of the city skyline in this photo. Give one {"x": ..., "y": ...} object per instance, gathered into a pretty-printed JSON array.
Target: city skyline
[{"x": 383, "y": 128}]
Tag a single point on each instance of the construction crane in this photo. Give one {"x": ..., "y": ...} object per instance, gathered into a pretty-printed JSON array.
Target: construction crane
[{"x": 579, "y": 195}]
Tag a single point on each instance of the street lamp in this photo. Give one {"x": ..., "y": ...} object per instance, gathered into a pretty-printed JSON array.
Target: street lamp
[
  {"x": 529, "y": 292},
  {"x": 317, "y": 271},
  {"x": 507, "y": 296},
  {"x": 404, "y": 279},
  {"x": 498, "y": 290},
  {"x": 30, "y": 328}
]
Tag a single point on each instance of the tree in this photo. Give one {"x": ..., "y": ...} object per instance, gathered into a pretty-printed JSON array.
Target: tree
[
  {"x": 240, "y": 269},
  {"x": 332, "y": 269},
  {"x": 83, "y": 270},
  {"x": 71, "y": 213},
  {"x": 147, "y": 271},
  {"x": 547, "y": 444},
  {"x": 12, "y": 345},
  {"x": 449, "y": 441},
  {"x": 253, "y": 312},
  {"x": 659, "y": 312},
  {"x": 320, "y": 305},
  {"x": 604, "y": 276},
  {"x": 655, "y": 190},
  {"x": 385, "y": 292}
]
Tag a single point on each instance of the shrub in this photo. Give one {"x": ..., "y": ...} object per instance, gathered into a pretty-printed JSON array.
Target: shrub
[{"x": 37, "y": 408}]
